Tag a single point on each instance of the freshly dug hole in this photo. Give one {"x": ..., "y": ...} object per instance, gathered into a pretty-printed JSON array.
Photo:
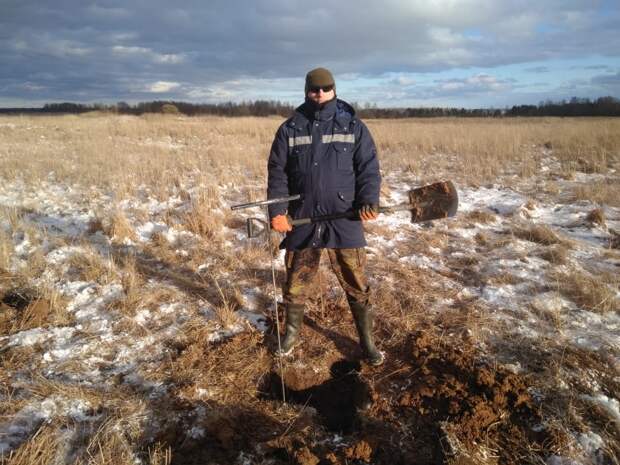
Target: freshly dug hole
[{"x": 337, "y": 400}]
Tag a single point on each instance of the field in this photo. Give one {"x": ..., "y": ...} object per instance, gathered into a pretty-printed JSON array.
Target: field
[{"x": 137, "y": 320}]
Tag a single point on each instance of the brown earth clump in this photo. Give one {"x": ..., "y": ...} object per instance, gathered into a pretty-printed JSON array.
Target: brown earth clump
[
  {"x": 473, "y": 403},
  {"x": 433, "y": 402},
  {"x": 20, "y": 310},
  {"x": 359, "y": 451},
  {"x": 596, "y": 216}
]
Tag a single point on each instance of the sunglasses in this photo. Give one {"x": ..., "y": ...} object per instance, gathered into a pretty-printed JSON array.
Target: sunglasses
[{"x": 316, "y": 90}]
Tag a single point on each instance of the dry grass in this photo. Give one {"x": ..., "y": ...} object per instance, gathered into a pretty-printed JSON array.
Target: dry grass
[
  {"x": 589, "y": 292},
  {"x": 119, "y": 228},
  {"x": 202, "y": 218},
  {"x": 549, "y": 311},
  {"x": 160, "y": 454},
  {"x": 480, "y": 216},
  {"x": 539, "y": 233},
  {"x": 603, "y": 193},
  {"x": 133, "y": 285},
  {"x": 110, "y": 438},
  {"x": 89, "y": 265},
  {"x": 161, "y": 152},
  {"x": 6, "y": 250},
  {"x": 138, "y": 293},
  {"x": 241, "y": 363},
  {"x": 485, "y": 148},
  {"x": 13, "y": 216},
  {"x": 556, "y": 254},
  {"x": 41, "y": 449},
  {"x": 225, "y": 310}
]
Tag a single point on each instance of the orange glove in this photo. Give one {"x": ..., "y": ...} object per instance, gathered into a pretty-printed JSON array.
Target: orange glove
[
  {"x": 281, "y": 224},
  {"x": 368, "y": 212}
]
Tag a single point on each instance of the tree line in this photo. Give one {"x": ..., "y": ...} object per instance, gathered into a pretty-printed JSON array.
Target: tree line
[{"x": 603, "y": 106}]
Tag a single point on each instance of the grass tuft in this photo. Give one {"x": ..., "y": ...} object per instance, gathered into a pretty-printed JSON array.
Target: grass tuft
[
  {"x": 202, "y": 218},
  {"x": 556, "y": 254},
  {"x": 481, "y": 216},
  {"x": 119, "y": 227},
  {"x": 590, "y": 293},
  {"x": 539, "y": 233}
]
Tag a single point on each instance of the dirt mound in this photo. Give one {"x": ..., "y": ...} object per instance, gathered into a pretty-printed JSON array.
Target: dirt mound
[
  {"x": 433, "y": 402},
  {"x": 441, "y": 405},
  {"x": 475, "y": 410}
]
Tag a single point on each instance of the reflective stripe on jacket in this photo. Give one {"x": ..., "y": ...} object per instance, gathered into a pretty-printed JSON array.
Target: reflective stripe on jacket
[{"x": 328, "y": 156}]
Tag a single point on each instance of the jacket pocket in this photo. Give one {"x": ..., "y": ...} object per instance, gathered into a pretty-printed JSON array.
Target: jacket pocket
[
  {"x": 297, "y": 158},
  {"x": 345, "y": 200},
  {"x": 346, "y": 196},
  {"x": 344, "y": 153}
]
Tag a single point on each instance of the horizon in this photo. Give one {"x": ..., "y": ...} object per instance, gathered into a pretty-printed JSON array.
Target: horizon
[{"x": 360, "y": 106}]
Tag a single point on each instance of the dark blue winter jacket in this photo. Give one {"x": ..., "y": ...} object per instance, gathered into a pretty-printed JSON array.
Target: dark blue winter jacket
[{"x": 328, "y": 156}]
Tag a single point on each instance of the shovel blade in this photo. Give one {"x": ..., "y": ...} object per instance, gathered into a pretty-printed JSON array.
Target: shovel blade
[{"x": 433, "y": 202}]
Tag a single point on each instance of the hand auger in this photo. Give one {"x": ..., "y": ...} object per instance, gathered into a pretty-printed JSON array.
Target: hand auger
[{"x": 252, "y": 233}]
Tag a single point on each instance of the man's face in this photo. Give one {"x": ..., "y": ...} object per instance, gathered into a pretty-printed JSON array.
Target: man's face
[{"x": 320, "y": 95}]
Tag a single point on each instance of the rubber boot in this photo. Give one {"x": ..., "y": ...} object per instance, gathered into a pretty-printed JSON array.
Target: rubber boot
[
  {"x": 294, "y": 320},
  {"x": 364, "y": 316}
]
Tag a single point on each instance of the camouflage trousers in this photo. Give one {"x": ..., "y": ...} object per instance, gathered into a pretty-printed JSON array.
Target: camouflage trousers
[{"x": 302, "y": 267}]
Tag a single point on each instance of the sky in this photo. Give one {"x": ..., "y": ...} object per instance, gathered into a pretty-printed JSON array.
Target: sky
[{"x": 392, "y": 53}]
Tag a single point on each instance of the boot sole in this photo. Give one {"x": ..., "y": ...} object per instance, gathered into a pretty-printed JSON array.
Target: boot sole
[
  {"x": 376, "y": 362},
  {"x": 280, "y": 353}
]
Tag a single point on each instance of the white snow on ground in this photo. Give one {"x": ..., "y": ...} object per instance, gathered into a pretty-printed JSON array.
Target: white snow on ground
[
  {"x": 98, "y": 348},
  {"x": 610, "y": 405},
  {"x": 94, "y": 344},
  {"x": 31, "y": 416},
  {"x": 513, "y": 301}
]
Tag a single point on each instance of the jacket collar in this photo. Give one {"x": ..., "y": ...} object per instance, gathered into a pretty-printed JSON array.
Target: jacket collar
[
  {"x": 335, "y": 109},
  {"x": 314, "y": 112}
]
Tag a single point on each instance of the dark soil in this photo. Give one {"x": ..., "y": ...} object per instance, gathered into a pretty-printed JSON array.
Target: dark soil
[
  {"x": 433, "y": 402},
  {"x": 16, "y": 299},
  {"x": 21, "y": 309}
]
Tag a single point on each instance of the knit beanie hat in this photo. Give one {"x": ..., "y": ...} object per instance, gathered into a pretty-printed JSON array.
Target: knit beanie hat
[{"x": 319, "y": 77}]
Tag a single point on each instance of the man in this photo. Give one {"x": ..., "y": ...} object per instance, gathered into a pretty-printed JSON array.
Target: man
[{"x": 326, "y": 154}]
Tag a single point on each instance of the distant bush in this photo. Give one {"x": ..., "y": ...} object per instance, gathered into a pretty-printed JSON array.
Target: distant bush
[{"x": 169, "y": 109}]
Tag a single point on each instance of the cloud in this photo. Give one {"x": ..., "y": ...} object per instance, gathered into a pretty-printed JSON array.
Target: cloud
[
  {"x": 30, "y": 87},
  {"x": 609, "y": 83},
  {"x": 478, "y": 84},
  {"x": 95, "y": 50},
  {"x": 163, "y": 86},
  {"x": 607, "y": 79},
  {"x": 403, "y": 81},
  {"x": 133, "y": 52}
]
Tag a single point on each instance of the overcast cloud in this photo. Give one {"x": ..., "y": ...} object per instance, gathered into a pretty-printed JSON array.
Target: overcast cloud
[{"x": 395, "y": 52}]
